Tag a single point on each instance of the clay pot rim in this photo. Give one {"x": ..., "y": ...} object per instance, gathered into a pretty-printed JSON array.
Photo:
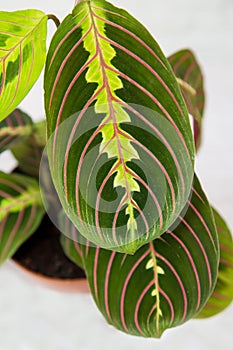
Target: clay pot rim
[{"x": 76, "y": 285}]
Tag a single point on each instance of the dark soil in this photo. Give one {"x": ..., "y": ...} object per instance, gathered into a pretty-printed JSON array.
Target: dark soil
[{"x": 43, "y": 253}]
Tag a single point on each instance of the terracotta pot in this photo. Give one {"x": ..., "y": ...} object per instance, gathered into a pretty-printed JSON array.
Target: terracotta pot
[
  {"x": 42, "y": 256},
  {"x": 78, "y": 285},
  {"x": 62, "y": 284}
]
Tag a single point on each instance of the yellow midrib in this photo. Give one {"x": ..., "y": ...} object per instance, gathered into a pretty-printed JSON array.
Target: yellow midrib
[{"x": 114, "y": 120}]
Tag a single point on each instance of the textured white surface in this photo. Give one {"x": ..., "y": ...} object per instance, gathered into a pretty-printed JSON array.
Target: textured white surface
[{"x": 33, "y": 318}]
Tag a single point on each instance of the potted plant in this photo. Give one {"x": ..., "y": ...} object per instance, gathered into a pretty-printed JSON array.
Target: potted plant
[
  {"x": 27, "y": 233},
  {"x": 121, "y": 157}
]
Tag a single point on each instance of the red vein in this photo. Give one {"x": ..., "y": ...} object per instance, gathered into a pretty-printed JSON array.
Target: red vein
[
  {"x": 76, "y": 244},
  {"x": 111, "y": 107},
  {"x": 220, "y": 296},
  {"x": 11, "y": 34},
  {"x": 18, "y": 117},
  {"x": 5, "y": 194},
  {"x": 58, "y": 75},
  {"x": 155, "y": 100},
  {"x": 6, "y": 141},
  {"x": 201, "y": 247},
  {"x": 21, "y": 41},
  {"x": 2, "y": 225},
  {"x": 160, "y": 166},
  {"x": 181, "y": 243},
  {"x": 12, "y": 185},
  {"x": 108, "y": 11},
  {"x": 111, "y": 172},
  {"x": 183, "y": 291},
  {"x": 125, "y": 286},
  {"x": 151, "y": 193},
  {"x": 33, "y": 213},
  {"x": 203, "y": 222},
  {"x": 133, "y": 35},
  {"x": 69, "y": 144},
  {"x": 166, "y": 297},
  {"x": 13, "y": 232},
  {"x": 226, "y": 262},
  {"x": 189, "y": 70},
  {"x": 122, "y": 202},
  {"x": 65, "y": 98},
  {"x": 169, "y": 303},
  {"x": 198, "y": 195},
  {"x": 106, "y": 295},
  {"x": 136, "y": 321},
  {"x": 95, "y": 272},
  {"x": 16, "y": 23},
  {"x": 226, "y": 249},
  {"x": 149, "y": 68},
  {"x": 65, "y": 38},
  {"x": 97, "y": 158},
  {"x": 160, "y": 135},
  {"x": 183, "y": 58}
]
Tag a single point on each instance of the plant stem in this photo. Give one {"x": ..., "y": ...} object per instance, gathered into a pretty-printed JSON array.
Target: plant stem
[
  {"x": 55, "y": 19},
  {"x": 186, "y": 86}
]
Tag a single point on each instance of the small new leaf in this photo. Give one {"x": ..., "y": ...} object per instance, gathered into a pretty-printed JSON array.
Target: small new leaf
[
  {"x": 21, "y": 211},
  {"x": 15, "y": 128},
  {"x": 190, "y": 78}
]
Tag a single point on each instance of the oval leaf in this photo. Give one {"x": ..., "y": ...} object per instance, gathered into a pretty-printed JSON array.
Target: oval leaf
[
  {"x": 29, "y": 151},
  {"x": 165, "y": 283},
  {"x": 121, "y": 148},
  {"x": 22, "y": 55},
  {"x": 14, "y": 128},
  {"x": 28, "y": 154},
  {"x": 190, "y": 78},
  {"x": 222, "y": 295},
  {"x": 21, "y": 211},
  {"x": 70, "y": 246}
]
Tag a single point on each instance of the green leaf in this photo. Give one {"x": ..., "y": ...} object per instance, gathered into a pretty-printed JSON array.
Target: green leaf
[
  {"x": 166, "y": 282},
  {"x": 22, "y": 55},
  {"x": 21, "y": 211},
  {"x": 29, "y": 151},
  {"x": 190, "y": 78},
  {"x": 71, "y": 247},
  {"x": 16, "y": 127},
  {"x": 121, "y": 147},
  {"x": 28, "y": 154},
  {"x": 222, "y": 295}
]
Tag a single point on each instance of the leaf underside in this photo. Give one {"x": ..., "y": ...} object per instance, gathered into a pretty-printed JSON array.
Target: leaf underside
[
  {"x": 16, "y": 127},
  {"x": 222, "y": 295},
  {"x": 190, "y": 78},
  {"x": 21, "y": 211},
  {"x": 28, "y": 153},
  {"x": 22, "y": 55},
  {"x": 165, "y": 283},
  {"x": 121, "y": 148}
]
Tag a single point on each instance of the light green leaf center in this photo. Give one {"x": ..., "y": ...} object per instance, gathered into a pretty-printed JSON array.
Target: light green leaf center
[{"x": 115, "y": 142}]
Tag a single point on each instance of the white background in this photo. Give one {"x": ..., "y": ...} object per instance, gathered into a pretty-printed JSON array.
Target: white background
[{"x": 34, "y": 318}]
